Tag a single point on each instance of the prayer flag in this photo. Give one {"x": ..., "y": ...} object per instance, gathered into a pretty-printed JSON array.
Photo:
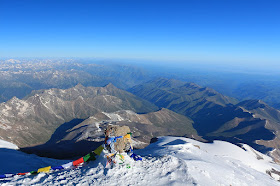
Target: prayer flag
[
  {"x": 57, "y": 168},
  {"x": 67, "y": 165},
  {"x": 44, "y": 169},
  {"x": 98, "y": 150},
  {"x": 89, "y": 157},
  {"x": 78, "y": 161}
]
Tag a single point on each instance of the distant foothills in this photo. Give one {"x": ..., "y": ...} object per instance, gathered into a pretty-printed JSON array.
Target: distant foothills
[
  {"x": 65, "y": 103},
  {"x": 18, "y": 77}
]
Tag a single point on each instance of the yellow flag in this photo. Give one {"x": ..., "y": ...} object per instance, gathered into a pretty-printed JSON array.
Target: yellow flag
[
  {"x": 98, "y": 150},
  {"x": 127, "y": 136},
  {"x": 45, "y": 169}
]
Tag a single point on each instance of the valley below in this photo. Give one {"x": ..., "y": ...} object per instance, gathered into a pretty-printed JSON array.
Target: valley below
[{"x": 59, "y": 112}]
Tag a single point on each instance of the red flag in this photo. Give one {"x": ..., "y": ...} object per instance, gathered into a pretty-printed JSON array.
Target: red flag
[
  {"x": 22, "y": 173},
  {"x": 78, "y": 161}
]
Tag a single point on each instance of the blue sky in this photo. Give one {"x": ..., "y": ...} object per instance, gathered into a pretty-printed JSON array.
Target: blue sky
[{"x": 210, "y": 31}]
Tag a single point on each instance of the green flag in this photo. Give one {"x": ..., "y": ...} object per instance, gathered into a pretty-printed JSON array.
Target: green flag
[{"x": 89, "y": 157}]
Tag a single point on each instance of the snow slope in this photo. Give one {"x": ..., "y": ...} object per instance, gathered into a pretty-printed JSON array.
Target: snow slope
[
  {"x": 169, "y": 161},
  {"x": 13, "y": 161},
  {"x": 7, "y": 145}
]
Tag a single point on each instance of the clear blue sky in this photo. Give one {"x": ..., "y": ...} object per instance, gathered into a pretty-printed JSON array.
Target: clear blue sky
[{"x": 232, "y": 31}]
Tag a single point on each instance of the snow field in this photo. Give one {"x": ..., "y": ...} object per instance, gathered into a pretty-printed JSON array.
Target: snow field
[{"x": 169, "y": 161}]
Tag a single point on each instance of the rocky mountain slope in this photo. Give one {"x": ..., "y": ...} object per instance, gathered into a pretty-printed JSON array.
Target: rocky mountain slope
[
  {"x": 77, "y": 138},
  {"x": 181, "y": 97},
  {"x": 34, "y": 119},
  {"x": 215, "y": 116},
  {"x": 37, "y": 117},
  {"x": 271, "y": 117}
]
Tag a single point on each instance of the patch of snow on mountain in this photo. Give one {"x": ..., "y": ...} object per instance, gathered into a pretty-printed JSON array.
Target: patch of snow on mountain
[
  {"x": 7, "y": 145},
  {"x": 23, "y": 108},
  {"x": 113, "y": 116},
  {"x": 3, "y": 125},
  {"x": 130, "y": 112},
  {"x": 137, "y": 143},
  {"x": 97, "y": 125},
  {"x": 5, "y": 111},
  {"x": 113, "y": 100}
]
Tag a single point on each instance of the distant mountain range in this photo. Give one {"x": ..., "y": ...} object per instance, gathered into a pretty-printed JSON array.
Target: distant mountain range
[
  {"x": 216, "y": 116},
  {"x": 20, "y": 77},
  {"x": 68, "y": 115}
]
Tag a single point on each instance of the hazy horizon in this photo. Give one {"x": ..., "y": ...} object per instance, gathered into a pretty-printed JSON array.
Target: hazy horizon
[
  {"x": 241, "y": 34},
  {"x": 248, "y": 68}
]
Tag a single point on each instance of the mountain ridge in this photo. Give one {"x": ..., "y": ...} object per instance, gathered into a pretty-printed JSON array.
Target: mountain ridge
[
  {"x": 76, "y": 138},
  {"x": 216, "y": 116},
  {"x": 51, "y": 108}
]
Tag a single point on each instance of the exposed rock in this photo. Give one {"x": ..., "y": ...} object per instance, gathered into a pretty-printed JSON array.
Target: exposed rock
[
  {"x": 121, "y": 144},
  {"x": 80, "y": 138},
  {"x": 33, "y": 120}
]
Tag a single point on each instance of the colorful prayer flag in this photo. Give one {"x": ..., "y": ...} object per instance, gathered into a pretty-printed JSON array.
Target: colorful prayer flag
[
  {"x": 22, "y": 174},
  {"x": 2, "y": 176},
  {"x": 127, "y": 136},
  {"x": 98, "y": 150},
  {"x": 33, "y": 172},
  {"x": 57, "y": 168},
  {"x": 78, "y": 161},
  {"x": 44, "y": 169},
  {"x": 67, "y": 165},
  {"x": 89, "y": 157},
  {"x": 9, "y": 175}
]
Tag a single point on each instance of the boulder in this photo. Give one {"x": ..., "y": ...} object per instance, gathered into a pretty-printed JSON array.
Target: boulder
[{"x": 122, "y": 144}]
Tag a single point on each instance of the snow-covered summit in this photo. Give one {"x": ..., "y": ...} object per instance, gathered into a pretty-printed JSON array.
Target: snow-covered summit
[{"x": 169, "y": 161}]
